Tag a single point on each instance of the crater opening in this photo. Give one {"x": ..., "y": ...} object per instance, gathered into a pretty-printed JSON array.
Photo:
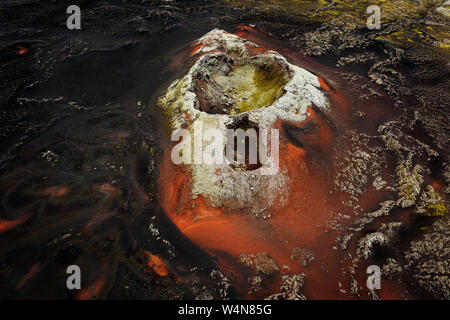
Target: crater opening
[
  {"x": 225, "y": 85},
  {"x": 250, "y": 132}
]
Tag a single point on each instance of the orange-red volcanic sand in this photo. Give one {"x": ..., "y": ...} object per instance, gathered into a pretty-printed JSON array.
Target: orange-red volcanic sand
[{"x": 300, "y": 223}]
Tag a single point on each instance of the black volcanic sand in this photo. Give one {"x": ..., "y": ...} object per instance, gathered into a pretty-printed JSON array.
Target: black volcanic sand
[{"x": 81, "y": 138}]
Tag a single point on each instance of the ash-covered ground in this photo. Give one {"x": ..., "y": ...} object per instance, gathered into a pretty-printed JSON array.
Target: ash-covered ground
[{"x": 82, "y": 143}]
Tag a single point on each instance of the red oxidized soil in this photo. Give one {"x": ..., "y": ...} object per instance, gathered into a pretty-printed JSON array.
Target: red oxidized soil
[{"x": 300, "y": 223}]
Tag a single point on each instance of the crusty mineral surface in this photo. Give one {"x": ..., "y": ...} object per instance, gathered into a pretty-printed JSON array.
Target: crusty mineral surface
[{"x": 232, "y": 85}]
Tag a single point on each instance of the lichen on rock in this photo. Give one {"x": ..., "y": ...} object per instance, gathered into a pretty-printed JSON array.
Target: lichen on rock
[
  {"x": 260, "y": 262},
  {"x": 302, "y": 256},
  {"x": 291, "y": 288}
]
